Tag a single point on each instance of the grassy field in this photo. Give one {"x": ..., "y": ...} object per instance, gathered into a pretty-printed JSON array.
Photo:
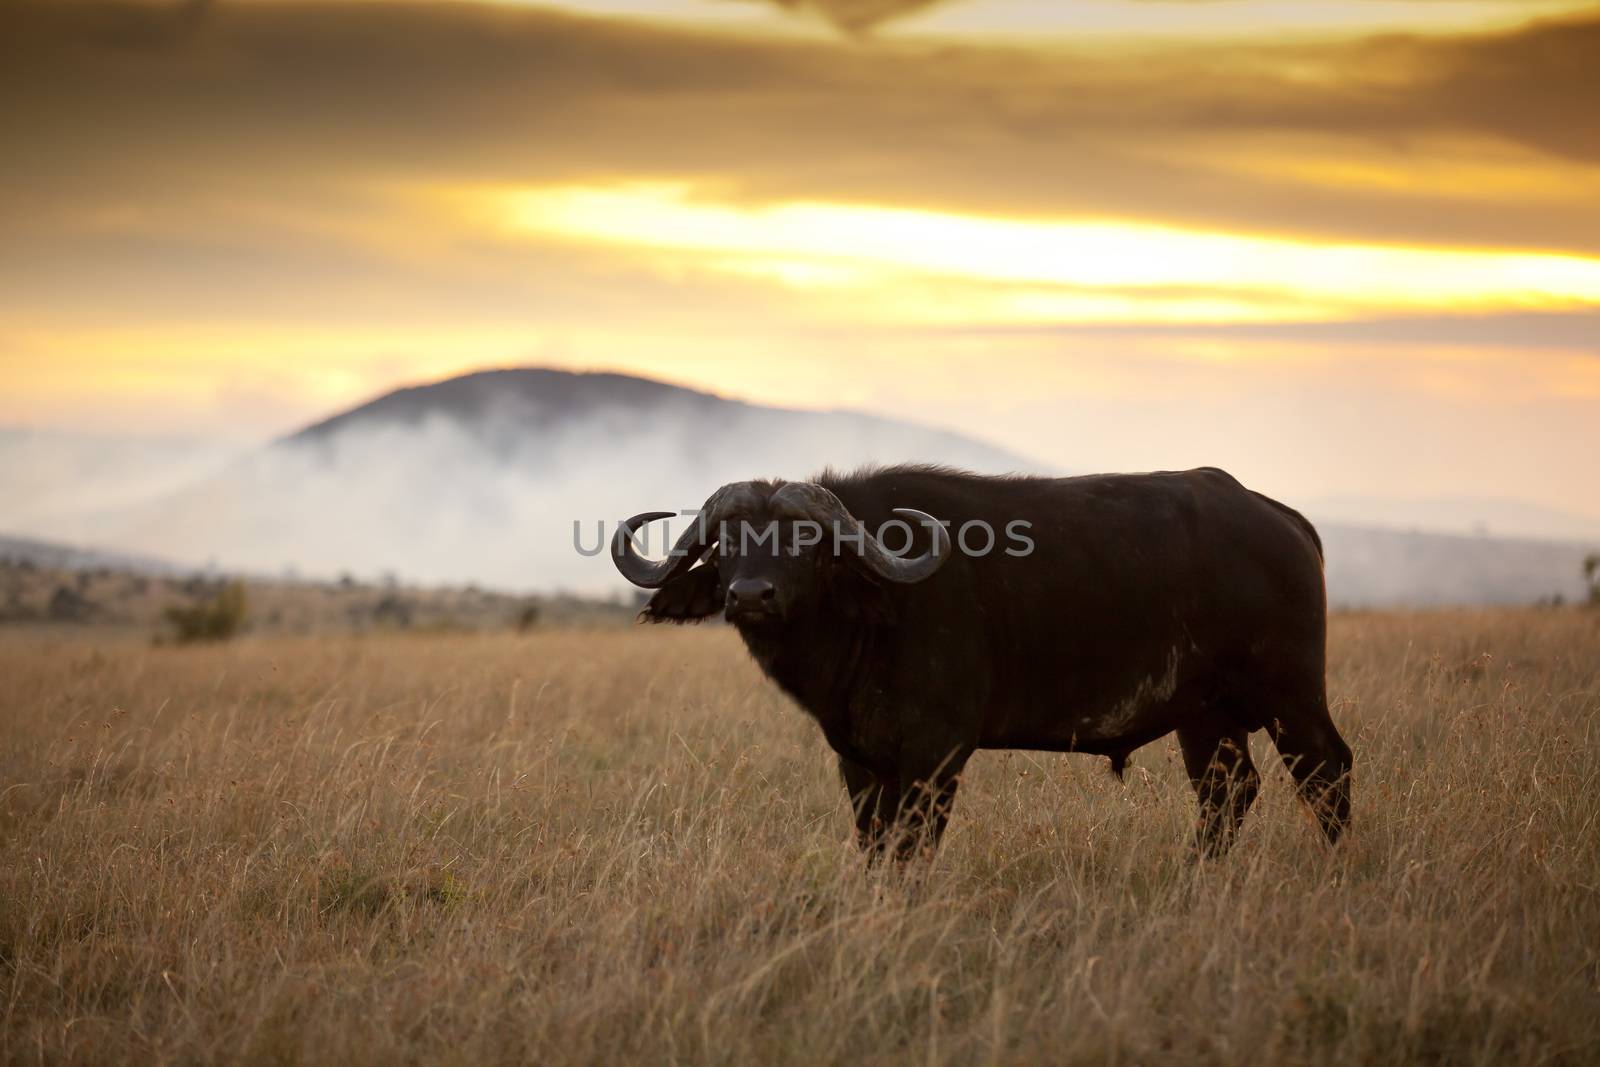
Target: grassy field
[
  {"x": 624, "y": 844},
  {"x": 105, "y": 599}
]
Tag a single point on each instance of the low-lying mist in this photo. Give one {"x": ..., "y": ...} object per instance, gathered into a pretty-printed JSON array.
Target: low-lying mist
[{"x": 445, "y": 502}]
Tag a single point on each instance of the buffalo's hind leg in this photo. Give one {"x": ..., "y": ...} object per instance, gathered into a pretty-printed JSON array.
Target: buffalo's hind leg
[
  {"x": 1217, "y": 757},
  {"x": 1320, "y": 762}
]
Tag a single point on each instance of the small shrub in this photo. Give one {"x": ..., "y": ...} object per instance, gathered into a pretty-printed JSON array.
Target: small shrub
[
  {"x": 216, "y": 619},
  {"x": 70, "y": 605},
  {"x": 1591, "y": 574},
  {"x": 393, "y": 610}
]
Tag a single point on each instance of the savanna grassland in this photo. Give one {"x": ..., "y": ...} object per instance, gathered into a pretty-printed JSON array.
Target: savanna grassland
[{"x": 611, "y": 845}]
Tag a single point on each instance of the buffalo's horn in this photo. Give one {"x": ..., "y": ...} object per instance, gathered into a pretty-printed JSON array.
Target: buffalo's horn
[
  {"x": 691, "y": 545},
  {"x": 812, "y": 501},
  {"x": 897, "y": 569},
  {"x": 634, "y": 567}
]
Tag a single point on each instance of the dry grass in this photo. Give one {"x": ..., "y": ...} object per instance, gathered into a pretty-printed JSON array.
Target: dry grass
[{"x": 625, "y": 845}]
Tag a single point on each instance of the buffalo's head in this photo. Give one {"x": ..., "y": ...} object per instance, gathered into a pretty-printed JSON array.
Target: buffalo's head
[{"x": 762, "y": 553}]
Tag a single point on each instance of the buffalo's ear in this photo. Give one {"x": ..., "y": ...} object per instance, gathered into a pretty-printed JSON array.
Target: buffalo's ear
[{"x": 689, "y": 597}]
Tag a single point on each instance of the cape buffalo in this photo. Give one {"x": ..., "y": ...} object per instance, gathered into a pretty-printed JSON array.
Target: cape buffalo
[{"x": 1092, "y": 614}]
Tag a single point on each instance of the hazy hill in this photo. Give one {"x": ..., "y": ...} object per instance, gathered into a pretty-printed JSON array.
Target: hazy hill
[
  {"x": 503, "y": 406},
  {"x": 507, "y": 410},
  {"x": 482, "y": 477}
]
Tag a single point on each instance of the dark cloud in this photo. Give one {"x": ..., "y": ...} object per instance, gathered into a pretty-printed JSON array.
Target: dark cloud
[
  {"x": 856, "y": 16},
  {"x": 1540, "y": 87},
  {"x": 118, "y": 106}
]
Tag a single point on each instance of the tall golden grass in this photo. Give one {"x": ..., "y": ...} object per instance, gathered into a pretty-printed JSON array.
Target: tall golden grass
[{"x": 625, "y": 845}]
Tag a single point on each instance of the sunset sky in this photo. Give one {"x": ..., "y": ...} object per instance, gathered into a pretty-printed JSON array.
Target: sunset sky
[{"x": 1338, "y": 246}]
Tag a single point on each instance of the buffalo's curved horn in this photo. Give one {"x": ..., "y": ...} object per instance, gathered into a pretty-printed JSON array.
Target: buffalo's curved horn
[
  {"x": 634, "y": 567},
  {"x": 898, "y": 569},
  {"x": 811, "y": 501},
  {"x": 691, "y": 545}
]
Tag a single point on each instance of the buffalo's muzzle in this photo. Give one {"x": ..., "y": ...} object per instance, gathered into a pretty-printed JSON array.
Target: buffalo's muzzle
[{"x": 751, "y": 598}]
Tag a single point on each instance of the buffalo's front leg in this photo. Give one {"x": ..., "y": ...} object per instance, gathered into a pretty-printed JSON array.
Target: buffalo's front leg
[
  {"x": 925, "y": 811},
  {"x": 890, "y": 816},
  {"x": 931, "y": 761},
  {"x": 877, "y": 805}
]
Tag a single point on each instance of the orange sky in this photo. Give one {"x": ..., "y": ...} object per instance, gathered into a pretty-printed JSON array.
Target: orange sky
[{"x": 1336, "y": 245}]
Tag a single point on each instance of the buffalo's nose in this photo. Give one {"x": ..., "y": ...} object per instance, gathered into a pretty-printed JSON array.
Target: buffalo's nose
[{"x": 746, "y": 594}]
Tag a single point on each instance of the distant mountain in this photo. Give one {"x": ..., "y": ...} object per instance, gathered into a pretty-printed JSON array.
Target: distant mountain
[
  {"x": 482, "y": 477},
  {"x": 505, "y": 405},
  {"x": 505, "y": 410}
]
